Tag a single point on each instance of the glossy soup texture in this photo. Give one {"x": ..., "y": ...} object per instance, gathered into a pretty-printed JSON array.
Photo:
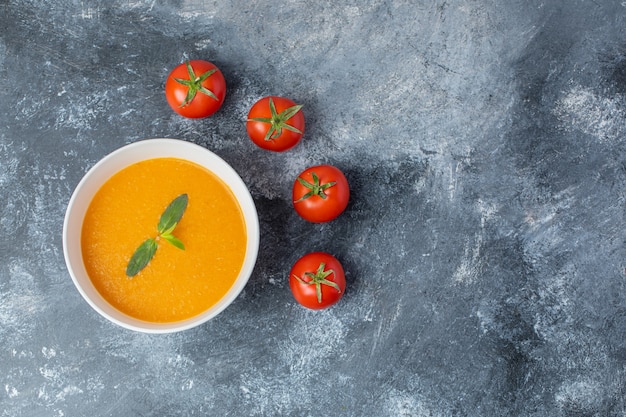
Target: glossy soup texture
[{"x": 177, "y": 284}]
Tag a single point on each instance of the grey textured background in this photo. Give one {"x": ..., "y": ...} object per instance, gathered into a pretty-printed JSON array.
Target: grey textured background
[{"x": 485, "y": 242}]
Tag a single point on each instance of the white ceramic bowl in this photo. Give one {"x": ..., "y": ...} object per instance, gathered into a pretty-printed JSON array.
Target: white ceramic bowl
[{"x": 114, "y": 162}]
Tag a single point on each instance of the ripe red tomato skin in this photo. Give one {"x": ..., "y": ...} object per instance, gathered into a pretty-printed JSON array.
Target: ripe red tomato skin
[
  {"x": 305, "y": 294},
  {"x": 315, "y": 209},
  {"x": 258, "y": 130},
  {"x": 202, "y": 105}
]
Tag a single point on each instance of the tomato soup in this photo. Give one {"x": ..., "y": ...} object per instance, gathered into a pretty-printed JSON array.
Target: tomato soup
[{"x": 176, "y": 284}]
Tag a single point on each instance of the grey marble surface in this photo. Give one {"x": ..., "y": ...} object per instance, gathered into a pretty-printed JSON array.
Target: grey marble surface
[{"x": 484, "y": 244}]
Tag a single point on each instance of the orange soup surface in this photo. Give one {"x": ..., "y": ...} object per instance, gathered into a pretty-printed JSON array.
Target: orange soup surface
[{"x": 176, "y": 284}]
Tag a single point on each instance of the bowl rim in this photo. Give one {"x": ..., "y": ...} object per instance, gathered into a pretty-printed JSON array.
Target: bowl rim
[{"x": 120, "y": 158}]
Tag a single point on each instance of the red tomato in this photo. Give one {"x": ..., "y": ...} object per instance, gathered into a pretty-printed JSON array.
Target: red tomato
[
  {"x": 195, "y": 89},
  {"x": 320, "y": 193},
  {"x": 275, "y": 123},
  {"x": 317, "y": 280}
]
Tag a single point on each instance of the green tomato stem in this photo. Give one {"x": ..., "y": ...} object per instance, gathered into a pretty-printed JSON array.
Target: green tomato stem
[
  {"x": 194, "y": 84},
  {"x": 278, "y": 121},
  {"x": 315, "y": 188},
  {"x": 318, "y": 278}
]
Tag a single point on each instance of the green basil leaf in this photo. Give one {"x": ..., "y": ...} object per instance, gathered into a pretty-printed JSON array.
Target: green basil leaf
[
  {"x": 173, "y": 240},
  {"x": 141, "y": 257},
  {"x": 169, "y": 230},
  {"x": 172, "y": 214}
]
